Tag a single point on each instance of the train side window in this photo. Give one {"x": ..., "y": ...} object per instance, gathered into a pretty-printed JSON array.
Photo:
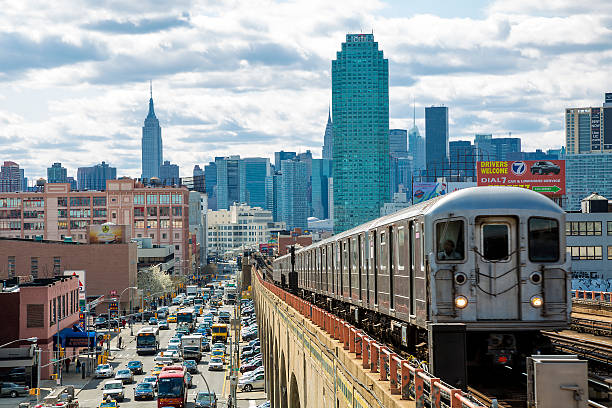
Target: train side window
[
  {"x": 495, "y": 242},
  {"x": 450, "y": 241},
  {"x": 543, "y": 240},
  {"x": 401, "y": 248}
]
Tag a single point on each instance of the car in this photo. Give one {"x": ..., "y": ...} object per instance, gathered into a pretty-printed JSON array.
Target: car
[
  {"x": 172, "y": 347},
  {"x": 254, "y": 372},
  {"x": 205, "y": 343},
  {"x": 104, "y": 371},
  {"x": 164, "y": 357},
  {"x": 125, "y": 375},
  {"x": 144, "y": 390},
  {"x": 156, "y": 370},
  {"x": 171, "y": 318},
  {"x": 175, "y": 340},
  {"x": 218, "y": 354},
  {"x": 135, "y": 366},
  {"x": 251, "y": 366},
  {"x": 264, "y": 405},
  {"x": 173, "y": 354},
  {"x": 110, "y": 403},
  {"x": 191, "y": 366},
  {"x": 249, "y": 353},
  {"x": 250, "y": 383},
  {"x": 204, "y": 399},
  {"x": 9, "y": 389},
  {"x": 151, "y": 379},
  {"x": 163, "y": 325},
  {"x": 215, "y": 364},
  {"x": 213, "y": 311},
  {"x": 113, "y": 389},
  {"x": 152, "y": 321},
  {"x": 544, "y": 167},
  {"x": 254, "y": 343}
]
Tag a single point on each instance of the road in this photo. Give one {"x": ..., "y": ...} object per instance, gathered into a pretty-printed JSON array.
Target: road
[{"x": 91, "y": 394}]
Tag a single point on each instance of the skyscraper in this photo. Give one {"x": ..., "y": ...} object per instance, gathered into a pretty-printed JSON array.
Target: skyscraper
[
  {"x": 498, "y": 149},
  {"x": 57, "y": 174},
  {"x": 589, "y": 129},
  {"x": 328, "y": 139},
  {"x": 210, "y": 178},
  {"x": 169, "y": 174},
  {"x": 321, "y": 172},
  {"x": 10, "y": 178},
  {"x": 398, "y": 142},
  {"x": 94, "y": 178},
  {"x": 197, "y": 171},
  {"x": 360, "y": 103},
  {"x": 294, "y": 192},
  {"x": 228, "y": 181},
  {"x": 462, "y": 160},
  {"x": 279, "y": 157},
  {"x": 436, "y": 137},
  {"x": 152, "y": 151},
  {"x": 254, "y": 172},
  {"x": 416, "y": 144}
]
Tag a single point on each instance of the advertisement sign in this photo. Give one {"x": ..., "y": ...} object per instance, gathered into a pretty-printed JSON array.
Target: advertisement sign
[
  {"x": 452, "y": 186},
  {"x": 81, "y": 276},
  {"x": 106, "y": 234},
  {"x": 542, "y": 176},
  {"x": 423, "y": 191}
]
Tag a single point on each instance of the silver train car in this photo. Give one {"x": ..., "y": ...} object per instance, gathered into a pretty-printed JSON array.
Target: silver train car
[{"x": 490, "y": 258}]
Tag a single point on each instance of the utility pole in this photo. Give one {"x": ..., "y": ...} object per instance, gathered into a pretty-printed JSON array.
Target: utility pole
[{"x": 38, "y": 362}]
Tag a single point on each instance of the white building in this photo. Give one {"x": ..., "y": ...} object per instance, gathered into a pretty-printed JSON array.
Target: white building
[{"x": 240, "y": 228}]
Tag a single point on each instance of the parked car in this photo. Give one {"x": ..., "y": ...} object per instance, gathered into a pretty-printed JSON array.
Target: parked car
[
  {"x": 125, "y": 375},
  {"x": 251, "y": 366},
  {"x": 215, "y": 364},
  {"x": 135, "y": 366},
  {"x": 9, "y": 389},
  {"x": 114, "y": 389},
  {"x": 104, "y": 371},
  {"x": 144, "y": 390},
  {"x": 204, "y": 399},
  {"x": 544, "y": 167},
  {"x": 250, "y": 383}
]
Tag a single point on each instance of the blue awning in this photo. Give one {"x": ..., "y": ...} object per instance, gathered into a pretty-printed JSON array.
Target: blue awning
[{"x": 70, "y": 337}]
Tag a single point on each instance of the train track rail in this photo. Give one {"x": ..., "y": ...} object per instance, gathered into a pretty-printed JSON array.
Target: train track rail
[
  {"x": 594, "y": 350},
  {"x": 597, "y": 327}
]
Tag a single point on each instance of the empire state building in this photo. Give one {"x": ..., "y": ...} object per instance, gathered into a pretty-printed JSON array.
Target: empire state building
[{"x": 152, "y": 151}]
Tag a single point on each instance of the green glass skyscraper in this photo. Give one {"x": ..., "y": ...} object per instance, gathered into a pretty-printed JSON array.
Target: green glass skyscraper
[{"x": 360, "y": 108}]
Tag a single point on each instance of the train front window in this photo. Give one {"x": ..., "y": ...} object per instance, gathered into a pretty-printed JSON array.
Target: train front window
[
  {"x": 495, "y": 242},
  {"x": 450, "y": 241},
  {"x": 543, "y": 240}
]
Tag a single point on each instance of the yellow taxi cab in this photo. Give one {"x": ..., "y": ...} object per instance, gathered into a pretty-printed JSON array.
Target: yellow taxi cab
[
  {"x": 156, "y": 370},
  {"x": 171, "y": 318},
  {"x": 218, "y": 354},
  {"x": 108, "y": 404}
]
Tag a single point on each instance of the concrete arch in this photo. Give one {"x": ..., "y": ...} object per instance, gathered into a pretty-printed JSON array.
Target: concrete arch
[
  {"x": 275, "y": 376},
  {"x": 283, "y": 383},
  {"x": 294, "y": 393}
]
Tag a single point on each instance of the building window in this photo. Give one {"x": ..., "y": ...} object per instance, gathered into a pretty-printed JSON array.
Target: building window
[
  {"x": 164, "y": 236},
  {"x": 164, "y": 211},
  {"x": 151, "y": 223},
  {"x": 152, "y": 199},
  {"x": 114, "y": 214},
  {"x": 35, "y": 315},
  {"x": 609, "y": 253},
  {"x": 11, "y": 266},
  {"x": 176, "y": 236},
  {"x": 177, "y": 199},
  {"x": 177, "y": 211},
  {"x": 57, "y": 265},
  {"x": 164, "y": 198},
  {"x": 583, "y": 228},
  {"x": 80, "y": 201},
  {"x": 152, "y": 211},
  {"x": 164, "y": 223},
  {"x": 585, "y": 253},
  {"x": 177, "y": 223},
  {"x": 139, "y": 235},
  {"x": 62, "y": 201},
  {"x": 176, "y": 247},
  {"x": 609, "y": 227},
  {"x": 139, "y": 211},
  {"x": 34, "y": 266},
  {"x": 139, "y": 224},
  {"x": 99, "y": 212},
  {"x": 99, "y": 201},
  {"x": 152, "y": 236},
  {"x": 139, "y": 199}
]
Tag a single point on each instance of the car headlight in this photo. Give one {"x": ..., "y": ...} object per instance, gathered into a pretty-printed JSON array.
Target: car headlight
[
  {"x": 461, "y": 302},
  {"x": 537, "y": 301}
]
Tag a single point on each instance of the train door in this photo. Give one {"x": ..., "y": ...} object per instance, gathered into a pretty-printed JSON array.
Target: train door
[
  {"x": 372, "y": 271},
  {"x": 498, "y": 292}
]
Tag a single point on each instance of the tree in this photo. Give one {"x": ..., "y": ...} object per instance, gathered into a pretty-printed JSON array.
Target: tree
[{"x": 154, "y": 281}]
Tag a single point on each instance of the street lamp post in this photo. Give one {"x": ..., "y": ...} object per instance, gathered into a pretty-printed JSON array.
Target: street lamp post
[
  {"x": 38, "y": 354},
  {"x": 30, "y": 339}
]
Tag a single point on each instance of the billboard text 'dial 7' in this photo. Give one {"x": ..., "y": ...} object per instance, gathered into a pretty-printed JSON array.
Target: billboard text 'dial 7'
[{"x": 542, "y": 176}]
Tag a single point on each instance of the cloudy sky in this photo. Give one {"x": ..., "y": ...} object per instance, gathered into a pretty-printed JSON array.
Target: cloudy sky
[{"x": 252, "y": 77}]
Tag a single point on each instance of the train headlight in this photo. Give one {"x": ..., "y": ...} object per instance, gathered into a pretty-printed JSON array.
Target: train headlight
[
  {"x": 460, "y": 278},
  {"x": 535, "y": 277},
  {"x": 537, "y": 301},
  {"x": 461, "y": 302}
]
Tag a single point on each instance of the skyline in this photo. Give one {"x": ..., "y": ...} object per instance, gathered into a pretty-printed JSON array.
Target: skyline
[{"x": 76, "y": 87}]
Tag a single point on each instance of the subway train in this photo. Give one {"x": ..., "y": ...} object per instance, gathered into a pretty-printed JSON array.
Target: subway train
[{"x": 489, "y": 262}]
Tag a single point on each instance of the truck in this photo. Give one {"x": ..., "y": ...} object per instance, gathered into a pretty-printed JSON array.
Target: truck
[
  {"x": 229, "y": 293},
  {"x": 191, "y": 290},
  {"x": 191, "y": 347}
]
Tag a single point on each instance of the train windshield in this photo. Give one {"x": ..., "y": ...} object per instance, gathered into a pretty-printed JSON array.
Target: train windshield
[
  {"x": 543, "y": 240},
  {"x": 450, "y": 242},
  {"x": 495, "y": 242}
]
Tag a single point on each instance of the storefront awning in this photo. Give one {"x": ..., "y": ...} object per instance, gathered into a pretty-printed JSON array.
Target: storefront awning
[{"x": 71, "y": 338}]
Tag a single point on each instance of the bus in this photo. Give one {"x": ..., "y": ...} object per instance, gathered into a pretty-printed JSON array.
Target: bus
[
  {"x": 219, "y": 333},
  {"x": 186, "y": 316},
  {"x": 171, "y": 387},
  {"x": 147, "y": 340}
]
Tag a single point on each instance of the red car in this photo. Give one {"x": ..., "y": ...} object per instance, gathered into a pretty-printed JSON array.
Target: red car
[{"x": 250, "y": 366}]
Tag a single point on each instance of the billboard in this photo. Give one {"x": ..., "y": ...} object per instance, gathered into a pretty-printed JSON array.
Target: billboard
[
  {"x": 106, "y": 234},
  {"x": 423, "y": 191},
  {"x": 542, "y": 176},
  {"x": 81, "y": 276}
]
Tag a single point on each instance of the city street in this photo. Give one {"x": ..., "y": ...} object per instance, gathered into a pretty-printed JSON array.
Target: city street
[{"x": 90, "y": 395}]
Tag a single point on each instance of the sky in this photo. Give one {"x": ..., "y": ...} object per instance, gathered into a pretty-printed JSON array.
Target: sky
[{"x": 253, "y": 77}]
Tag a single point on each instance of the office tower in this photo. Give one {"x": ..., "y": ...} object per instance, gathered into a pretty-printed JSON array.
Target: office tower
[
  {"x": 152, "y": 151},
  {"x": 169, "y": 174},
  {"x": 294, "y": 191},
  {"x": 436, "y": 137},
  {"x": 254, "y": 172},
  {"x": 589, "y": 129},
  {"x": 328, "y": 138},
  {"x": 57, "y": 174},
  {"x": 210, "y": 177},
  {"x": 73, "y": 183},
  {"x": 228, "y": 181},
  {"x": 197, "y": 170},
  {"x": 496, "y": 149},
  {"x": 273, "y": 194},
  {"x": 280, "y": 156},
  {"x": 416, "y": 148},
  {"x": 462, "y": 160},
  {"x": 321, "y": 172},
  {"x": 94, "y": 178},
  {"x": 24, "y": 180},
  {"x": 401, "y": 169},
  {"x": 10, "y": 177},
  {"x": 360, "y": 103},
  {"x": 398, "y": 142},
  {"x": 584, "y": 174}
]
